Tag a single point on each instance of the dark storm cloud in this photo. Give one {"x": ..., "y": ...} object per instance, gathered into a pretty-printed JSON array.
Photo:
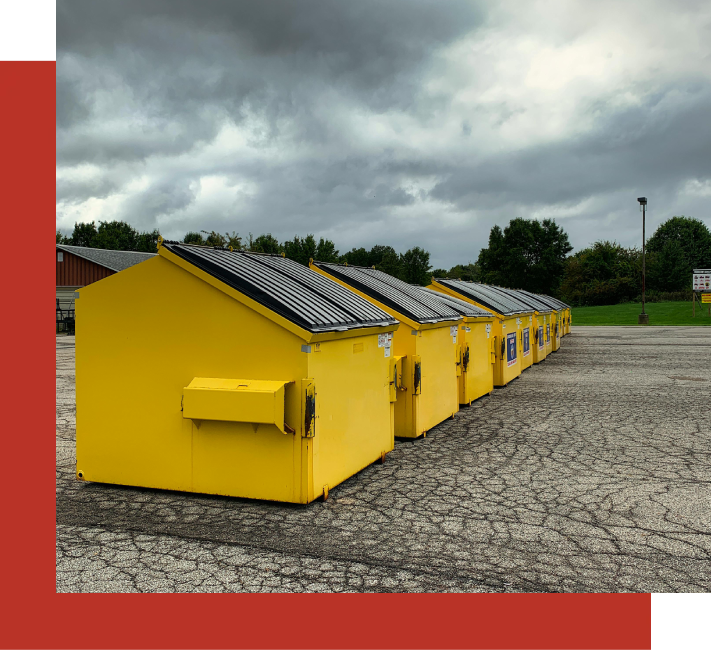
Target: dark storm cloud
[
  {"x": 649, "y": 144},
  {"x": 367, "y": 122}
]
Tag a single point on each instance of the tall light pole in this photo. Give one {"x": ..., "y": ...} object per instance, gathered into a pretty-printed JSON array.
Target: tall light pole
[{"x": 643, "y": 318}]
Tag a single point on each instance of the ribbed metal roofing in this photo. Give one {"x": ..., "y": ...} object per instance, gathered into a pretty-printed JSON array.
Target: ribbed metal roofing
[
  {"x": 530, "y": 300},
  {"x": 286, "y": 287},
  {"x": 396, "y": 294},
  {"x": 552, "y": 303},
  {"x": 461, "y": 306},
  {"x": 487, "y": 296},
  {"x": 556, "y": 301}
]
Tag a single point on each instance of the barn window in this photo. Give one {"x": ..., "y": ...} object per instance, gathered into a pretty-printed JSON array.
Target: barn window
[{"x": 60, "y": 257}]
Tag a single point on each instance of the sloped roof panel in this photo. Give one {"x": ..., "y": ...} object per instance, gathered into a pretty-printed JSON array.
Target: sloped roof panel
[
  {"x": 487, "y": 296},
  {"x": 286, "y": 287},
  {"x": 396, "y": 294}
]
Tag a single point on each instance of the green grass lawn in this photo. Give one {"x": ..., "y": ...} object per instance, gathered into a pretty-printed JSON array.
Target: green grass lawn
[{"x": 660, "y": 313}]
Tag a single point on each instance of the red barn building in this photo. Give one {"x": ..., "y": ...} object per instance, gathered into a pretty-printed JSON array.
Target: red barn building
[{"x": 78, "y": 266}]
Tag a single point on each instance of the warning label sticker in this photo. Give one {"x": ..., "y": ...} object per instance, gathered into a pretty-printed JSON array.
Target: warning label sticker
[
  {"x": 511, "y": 348},
  {"x": 453, "y": 333},
  {"x": 488, "y": 330},
  {"x": 385, "y": 341}
]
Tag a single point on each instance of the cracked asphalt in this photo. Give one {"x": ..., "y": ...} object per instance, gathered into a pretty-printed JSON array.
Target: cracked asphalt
[{"x": 591, "y": 472}]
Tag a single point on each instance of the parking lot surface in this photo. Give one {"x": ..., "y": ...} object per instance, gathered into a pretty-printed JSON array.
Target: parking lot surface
[{"x": 590, "y": 472}]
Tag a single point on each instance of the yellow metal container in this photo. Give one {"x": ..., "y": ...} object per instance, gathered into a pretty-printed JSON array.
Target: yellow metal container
[
  {"x": 555, "y": 330},
  {"x": 230, "y": 373},
  {"x": 426, "y": 346},
  {"x": 539, "y": 337},
  {"x": 507, "y": 327},
  {"x": 549, "y": 332},
  {"x": 537, "y": 321},
  {"x": 563, "y": 317},
  {"x": 475, "y": 377}
]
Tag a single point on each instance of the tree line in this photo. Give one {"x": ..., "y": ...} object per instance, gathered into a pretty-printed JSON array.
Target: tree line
[
  {"x": 534, "y": 255},
  {"x": 526, "y": 254},
  {"x": 412, "y": 266}
]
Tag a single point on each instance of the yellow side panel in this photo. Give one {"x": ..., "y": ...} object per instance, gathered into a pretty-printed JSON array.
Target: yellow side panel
[
  {"x": 479, "y": 373},
  {"x": 132, "y": 364},
  {"x": 538, "y": 338},
  {"x": 555, "y": 332},
  {"x": 438, "y": 397},
  {"x": 235, "y": 400},
  {"x": 353, "y": 412},
  {"x": 525, "y": 324},
  {"x": 514, "y": 370},
  {"x": 404, "y": 342}
]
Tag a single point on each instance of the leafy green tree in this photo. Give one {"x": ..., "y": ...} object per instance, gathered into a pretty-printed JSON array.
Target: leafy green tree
[
  {"x": 603, "y": 274},
  {"x": 440, "y": 273},
  {"x": 116, "y": 235},
  {"x": 224, "y": 241},
  {"x": 385, "y": 259},
  {"x": 468, "y": 272},
  {"x": 193, "y": 238},
  {"x": 677, "y": 247},
  {"x": 356, "y": 257},
  {"x": 84, "y": 234},
  {"x": 113, "y": 235},
  {"x": 266, "y": 244},
  {"x": 527, "y": 254},
  {"x": 415, "y": 266},
  {"x": 326, "y": 251},
  {"x": 61, "y": 239},
  {"x": 147, "y": 242},
  {"x": 668, "y": 270},
  {"x": 300, "y": 249}
]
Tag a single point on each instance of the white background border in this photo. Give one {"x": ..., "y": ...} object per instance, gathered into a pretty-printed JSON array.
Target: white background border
[{"x": 28, "y": 30}]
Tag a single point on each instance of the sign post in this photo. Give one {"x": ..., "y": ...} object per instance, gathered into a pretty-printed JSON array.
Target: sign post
[{"x": 701, "y": 283}]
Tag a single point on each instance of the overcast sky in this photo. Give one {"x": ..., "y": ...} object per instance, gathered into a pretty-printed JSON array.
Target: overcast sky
[{"x": 392, "y": 122}]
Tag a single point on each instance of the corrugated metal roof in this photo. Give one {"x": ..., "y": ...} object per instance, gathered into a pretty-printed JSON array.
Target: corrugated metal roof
[
  {"x": 527, "y": 299},
  {"x": 556, "y": 301},
  {"x": 114, "y": 260},
  {"x": 552, "y": 303},
  {"x": 461, "y": 306},
  {"x": 286, "y": 287},
  {"x": 396, "y": 294},
  {"x": 483, "y": 294}
]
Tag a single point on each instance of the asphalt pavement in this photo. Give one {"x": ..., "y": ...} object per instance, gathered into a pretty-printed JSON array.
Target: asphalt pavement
[{"x": 590, "y": 472}]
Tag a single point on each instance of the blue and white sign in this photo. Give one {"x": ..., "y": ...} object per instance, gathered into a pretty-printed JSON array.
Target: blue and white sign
[
  {"x": 548, "y": 333},
  {"x": 526, "y": 342},
  {"x": 511, "y": 348},
  {"x": 541, "y": 341}
]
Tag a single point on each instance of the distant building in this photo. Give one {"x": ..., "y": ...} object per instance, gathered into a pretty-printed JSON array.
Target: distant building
[{"x": 78, "y": 266}]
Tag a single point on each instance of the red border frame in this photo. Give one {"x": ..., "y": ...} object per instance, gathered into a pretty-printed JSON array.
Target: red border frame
[{"x": 35, "y": 616}]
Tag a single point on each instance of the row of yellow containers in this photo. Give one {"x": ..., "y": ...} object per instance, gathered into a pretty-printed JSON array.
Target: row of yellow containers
[{"x": 250, "y": 375}]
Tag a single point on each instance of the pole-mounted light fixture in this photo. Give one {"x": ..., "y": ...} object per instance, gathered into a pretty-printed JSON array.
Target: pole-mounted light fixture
[{"x": 643, "y": 317}]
